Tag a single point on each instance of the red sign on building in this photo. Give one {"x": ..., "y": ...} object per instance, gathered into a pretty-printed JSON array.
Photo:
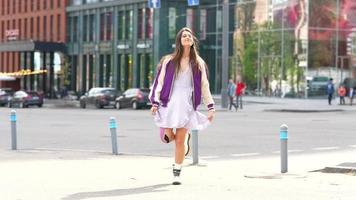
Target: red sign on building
[{"x": 12, "y": 34}]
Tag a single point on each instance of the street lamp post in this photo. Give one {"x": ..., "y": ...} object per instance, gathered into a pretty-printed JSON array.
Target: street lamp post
[
  {"x": 225, "y": 53},
  {"x": 337, "y": 33}
]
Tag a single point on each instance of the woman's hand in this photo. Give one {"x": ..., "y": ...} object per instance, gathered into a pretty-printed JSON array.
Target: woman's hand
[
  {"x": 153, "y": 110},
  {"x": 211, "y": 115}
]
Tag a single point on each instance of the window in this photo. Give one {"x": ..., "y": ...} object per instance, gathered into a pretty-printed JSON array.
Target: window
[
  {"x": 32, "y": 5},
  {"x": 45, "y": 4},
  {"x": 20, "y": 29},
  {"x": 13, "y": 6},
  {"x": 85, "y": 28},
  {"x": 69, "y": 29},
  {"x": 38, "y": 29},
  {"x": 51, "y": 28},
  {"x": 128, "y": 24},
  {"x": 1, "y": 62},
  {"x": 172, "y": 15},
  {"x": 44, "y": 37},
  {"x": 31, "y": 27},
  {"x": 108, "y": 25},
  {"x": 25, "y": 8},
  {"x": 25, "y": 28},
  {"x": 75, "y": 29},
  {"x": 2, "y": 7},
  {"x": 2, "y": 32},
  {"x": 8, "y": 6},
  {"x": 51, "y": 4},
  {"x": 76, "y": 2},
  {"x": 38, "y": 5},
  {"x": 141, "y": 23},
  {"x": 20, "y": 6},
  {"x": 59, "y": 3},
  {"x": 91, "y": 27},
  {"x": 203, "y": 24},
  {"x": 102, "y": 26},
  {"x": 121, "y": 25},
  {"x": 149, "y": 23},
  {"x": 58, "y": 27}
]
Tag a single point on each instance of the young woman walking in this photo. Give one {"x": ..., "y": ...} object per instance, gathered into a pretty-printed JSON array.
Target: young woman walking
[{"x": 179, "y": 86}]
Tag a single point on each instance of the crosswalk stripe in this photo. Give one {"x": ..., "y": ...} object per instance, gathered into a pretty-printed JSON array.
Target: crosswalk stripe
[
  {"x": 289, "y": 151},
  {"x": 208, "y": 157},
  {"x": 325, "y": 148},
  {"x": 245, "y": 154}
]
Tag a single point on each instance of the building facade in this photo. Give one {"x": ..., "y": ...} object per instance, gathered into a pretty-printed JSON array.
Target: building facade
[
  {"x": 276, "y": 46},
  {"x": 285, "y": 44},
  {"x": 32, "y": 43}
]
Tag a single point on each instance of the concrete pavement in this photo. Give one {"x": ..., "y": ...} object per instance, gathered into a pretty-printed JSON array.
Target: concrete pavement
[
  {"x": 49, "y": 175},
  {"x": 60, "y": 174}
]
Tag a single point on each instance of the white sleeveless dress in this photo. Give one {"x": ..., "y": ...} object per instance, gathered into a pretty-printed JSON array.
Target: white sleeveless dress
[{"x": 179, "y": 112}]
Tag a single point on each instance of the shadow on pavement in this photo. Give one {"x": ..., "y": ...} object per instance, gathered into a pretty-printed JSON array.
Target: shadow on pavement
[{"x": 117, "y": 192}]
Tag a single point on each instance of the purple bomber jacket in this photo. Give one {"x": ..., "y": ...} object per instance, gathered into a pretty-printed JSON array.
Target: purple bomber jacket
[{"x": 163, "y": 85}]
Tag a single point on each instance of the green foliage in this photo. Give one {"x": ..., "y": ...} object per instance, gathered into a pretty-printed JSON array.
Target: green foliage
[
  {"x": 249, "y": 61},
  {"x": 269, "y": 41}
]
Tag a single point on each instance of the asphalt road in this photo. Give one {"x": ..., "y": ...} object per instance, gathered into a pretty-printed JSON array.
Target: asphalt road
[{"x": 233, "y": 135}]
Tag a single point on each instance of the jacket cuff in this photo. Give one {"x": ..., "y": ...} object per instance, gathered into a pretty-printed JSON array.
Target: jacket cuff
[
  {"x": 155, "y": 104},
  {"x": 211, "y": 107}
]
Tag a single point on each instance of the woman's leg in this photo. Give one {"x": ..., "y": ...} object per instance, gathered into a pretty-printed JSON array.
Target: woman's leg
[
  {"x": 180, "y": 148},
  {"x": 180, "y": 135}
]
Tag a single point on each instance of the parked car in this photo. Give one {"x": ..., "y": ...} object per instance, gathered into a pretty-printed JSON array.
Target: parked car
[
  {"x": 134, "y": 97},
  {"x": 318, "y": 85},
  {"x": 99, "y": 97},
  {"x": 5, "y": 96},
  {"x": 24, "y": 99}
]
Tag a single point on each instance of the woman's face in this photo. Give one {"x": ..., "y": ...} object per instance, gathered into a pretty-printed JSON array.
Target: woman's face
[{"x": 186, "y": 39}]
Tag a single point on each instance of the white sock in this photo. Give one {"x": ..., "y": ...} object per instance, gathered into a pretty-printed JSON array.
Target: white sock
[{"x": 177, "y": 166}]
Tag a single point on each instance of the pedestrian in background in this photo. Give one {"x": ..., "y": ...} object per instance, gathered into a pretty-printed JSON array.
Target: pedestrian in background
[
  {"x": 240, "y": 91},
  {"x": 342, "y": 93},
  {"x": 352, "y": 94},
  {"x": 231, "y": 89},
  {"x": 330, "y": 90},
  {"x": 180, "y": 85}
]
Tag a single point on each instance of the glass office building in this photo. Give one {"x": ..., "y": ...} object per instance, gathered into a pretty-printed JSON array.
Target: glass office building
[
  {"x": 286, "y": 45},
  {"x": 119, "y": 43}
]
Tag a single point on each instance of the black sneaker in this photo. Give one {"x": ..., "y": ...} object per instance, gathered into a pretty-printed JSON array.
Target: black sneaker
[
  {"x": 187, "y": 144},
  {"x": 176, "y": 176}
]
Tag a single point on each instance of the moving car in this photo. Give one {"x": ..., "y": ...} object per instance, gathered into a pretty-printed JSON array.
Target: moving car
[
  {"x": 24, "y": 99},
  {"x": 134, "y": 97},
  {"x": 99, "y": 97}
]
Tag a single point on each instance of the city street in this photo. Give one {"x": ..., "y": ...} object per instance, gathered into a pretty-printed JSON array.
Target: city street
[{"x": 251, "y": 132}]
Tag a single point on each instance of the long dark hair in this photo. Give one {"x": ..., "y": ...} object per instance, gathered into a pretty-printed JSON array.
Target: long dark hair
[{"x": 178, "y": 52}]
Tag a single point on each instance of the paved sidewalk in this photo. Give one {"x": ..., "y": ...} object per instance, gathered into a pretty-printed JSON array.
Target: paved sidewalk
[
  {"x": 48, "y": 175},
  {"x": 290, "y": 104}
]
